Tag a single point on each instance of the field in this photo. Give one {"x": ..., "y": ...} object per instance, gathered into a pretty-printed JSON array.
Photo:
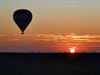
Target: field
[{"x": 49, "y": 64}]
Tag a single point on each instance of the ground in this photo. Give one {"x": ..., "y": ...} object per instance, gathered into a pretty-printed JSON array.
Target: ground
[{"x": 49, "y": 64}]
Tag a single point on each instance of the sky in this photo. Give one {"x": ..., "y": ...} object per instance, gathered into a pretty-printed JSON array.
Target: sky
[
  {"x": 56, "y": 17},
  {"x": 53, "y": 16}
]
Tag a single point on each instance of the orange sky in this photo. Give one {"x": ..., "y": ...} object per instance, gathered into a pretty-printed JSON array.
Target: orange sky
[
  {"x": 53, "y": 16},
  {"x": 52, "y": 21},
  {"x": 49, "y": 43}
]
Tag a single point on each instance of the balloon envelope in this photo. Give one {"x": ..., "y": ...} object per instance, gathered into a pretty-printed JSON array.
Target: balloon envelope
[{"x": 22, "y": 18}]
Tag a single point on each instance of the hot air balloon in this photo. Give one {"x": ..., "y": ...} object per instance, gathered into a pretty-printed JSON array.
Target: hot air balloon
[{"x": 22, "y": 18}]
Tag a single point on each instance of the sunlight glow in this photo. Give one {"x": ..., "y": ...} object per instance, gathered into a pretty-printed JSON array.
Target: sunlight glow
[{"x": 72, "y": 50}]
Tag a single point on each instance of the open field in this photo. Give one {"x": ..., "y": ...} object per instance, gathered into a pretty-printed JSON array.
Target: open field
[{"x": 49, "y": 64}]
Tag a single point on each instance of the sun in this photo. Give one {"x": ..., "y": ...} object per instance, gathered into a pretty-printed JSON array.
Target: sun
[{"x": 72, "y": 49}]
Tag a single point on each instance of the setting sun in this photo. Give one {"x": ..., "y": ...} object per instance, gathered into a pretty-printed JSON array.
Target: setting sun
[{"x": 72, "y": 49}]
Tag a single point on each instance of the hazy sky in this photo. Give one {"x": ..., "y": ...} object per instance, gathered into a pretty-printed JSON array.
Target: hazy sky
[
  {"x": 52, "y": 20},
  {"x": 53, "y": 16}
]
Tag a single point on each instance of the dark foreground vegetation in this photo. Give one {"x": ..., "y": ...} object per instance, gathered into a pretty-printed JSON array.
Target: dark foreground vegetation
[{"x": 49, "y": 64}]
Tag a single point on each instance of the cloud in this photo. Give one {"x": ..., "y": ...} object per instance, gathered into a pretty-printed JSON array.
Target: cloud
[
  {"x": 13, "y": 40},
  {"x": 49, "y": 43},
  {"x": 2, "y": 35}
]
